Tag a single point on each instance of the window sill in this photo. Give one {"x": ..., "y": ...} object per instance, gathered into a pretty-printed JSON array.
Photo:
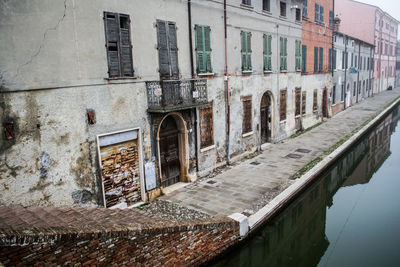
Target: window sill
[
  {"x": 207, "y": 148},
  {"x": 248, "y": 134},
  {"x": 283, "y": 17},
  {"x": 267, "y": 71},
  {"x": 248, "y": 7},
  {"x": 283, "y": 71},
  {"x": 266, "y": 12},
  {"x": 121, "y": 78},
  {"x": 247, "y": 71},
  {"x": 205, "y": 74}
]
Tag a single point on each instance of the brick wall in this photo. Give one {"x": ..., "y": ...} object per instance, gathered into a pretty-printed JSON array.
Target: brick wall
[{"x": 154, "y": 242}]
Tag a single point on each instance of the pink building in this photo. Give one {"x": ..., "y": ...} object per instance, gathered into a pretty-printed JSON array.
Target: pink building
[{"x": 371, "y": 24}]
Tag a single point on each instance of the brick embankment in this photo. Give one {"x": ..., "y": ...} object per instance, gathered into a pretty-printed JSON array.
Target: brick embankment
[{"x": 81, "y": 236}]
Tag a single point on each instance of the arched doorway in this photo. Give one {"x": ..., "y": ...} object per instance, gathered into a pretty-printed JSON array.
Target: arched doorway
[
  {"x": 265, "y": 112},
  {"x": 172, "y": 143}
]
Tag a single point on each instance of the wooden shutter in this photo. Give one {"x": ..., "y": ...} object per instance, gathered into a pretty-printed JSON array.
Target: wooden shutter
[
  {"x": 281, "y": 52},
  {"x": 298, "y": 100},
  {"x": 304, "y": 58},
  {"x": 243, "y": 49},
  {"x": 298, "y": 57},
  {"x": 207, "y": 47},
  {"x": 334, "y": 59},
  {"x": 163, "y": 51},
  {"x": 126, "y": 47},
  {"x": 330, "y": 18},
  {"x": 303, "y": 102},
  {"x": 315, "y": 59},
  {"x": 330, "y": 59},
  {"x": 112, "y": 37},
  {"x": 201, "y": 67},
  {"x": 267, "y": 52},
  {"x": 247, "y": 115},
  {"x": 246, "y": 50},
  {"x": 316, "y": 12},
  {"x": 173, "y": 47},
  {"x": 321, "y": 14},
  {"x": 315, "y": 100},
  {"x": 206, "y": 126},
  {"x": 285, "y": 52},
  {"x": 304, "y": 8},
  {"x": 282, "y": 106},
  {"x": 321, "y": 59}
]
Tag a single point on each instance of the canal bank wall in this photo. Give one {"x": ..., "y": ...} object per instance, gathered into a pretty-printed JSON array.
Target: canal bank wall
[
  {"x": 320, "y": 164},
  {"x": 43, "y": 236}
]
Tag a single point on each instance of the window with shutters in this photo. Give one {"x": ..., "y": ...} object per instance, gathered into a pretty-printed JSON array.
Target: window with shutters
[
  {"x": 304, "y": 58},
  {"x": 315, "y": 100},
  {"x": 298, "y": 101},
  {"x": 303, "y": 103},
  {"x": 334, "y": 95},
  {"x": 334, "y": 58},
  {"x": 316, "y": 12},
  {"x": 283, "y": 9},
  {"x": 206, "y": 126},
  {"x": 305, "y": 13},
  {"x": 321, "y": 59},
  {"x": 246, "y": 50},
  {"x": 118, "y": 45},
  {"x": 167, "y": 50},
  {"x": 283, "y": 53},
  {"x": 330, "y": 59},
  {"x": 282, "y": 105},
  {"x": 246, "y": 2},
  {"x": 266, "y": 5},
  {"x": 247, "y": 118},
  {"x": 267, "y": 52},
  {"x": 298, "y": 55},
  {"x": 298, "y": 14},
  {"x": 315, "y": 59},
  {"x": 203, "y": 48}
]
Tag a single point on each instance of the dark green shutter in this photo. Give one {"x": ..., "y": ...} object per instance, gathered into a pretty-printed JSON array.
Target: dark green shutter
[
  {"x": 163, "y": 53},
  {"x": 315, "y": 59},
  {"x": 203, "y": 48},
  {"x": 304, "y": 8},
  {"x": 330, "y": 18},
  {"x": 304, "y": 58},
  {"x": 207, "y": 47},
  {"x": 267, "y": 52},
  {"x": 334, "y": 59},
  {"x": 321, "y": 14},
  {"x": 330, "y": 59},
  {"x": 246, "y": 50},
  {"x": 316, "y": 12},
  {"x": 321, "y": 59}
]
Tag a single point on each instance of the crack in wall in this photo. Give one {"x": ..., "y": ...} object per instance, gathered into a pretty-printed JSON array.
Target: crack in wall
[{"x": 43, "y": 40}]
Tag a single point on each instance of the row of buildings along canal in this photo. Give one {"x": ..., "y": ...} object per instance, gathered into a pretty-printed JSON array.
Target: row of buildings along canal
[{"x": 110, "y": 103}]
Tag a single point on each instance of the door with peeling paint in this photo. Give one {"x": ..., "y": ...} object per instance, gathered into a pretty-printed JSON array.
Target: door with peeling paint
[
  {"x": 265, "y": 111},
  {"x": 169, "y": 152},
  {"x": 120, "y": 172}
]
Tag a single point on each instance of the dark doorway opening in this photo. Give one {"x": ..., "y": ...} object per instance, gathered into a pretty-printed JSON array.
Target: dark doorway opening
[{"x": 265, "y": 111}]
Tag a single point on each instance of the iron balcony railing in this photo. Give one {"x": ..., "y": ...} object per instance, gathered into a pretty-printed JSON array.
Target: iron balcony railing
[{"x": 167, "y": 95}]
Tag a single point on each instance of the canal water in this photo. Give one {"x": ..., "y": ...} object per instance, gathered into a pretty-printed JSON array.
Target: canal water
[{"x": 349, "y": 216}]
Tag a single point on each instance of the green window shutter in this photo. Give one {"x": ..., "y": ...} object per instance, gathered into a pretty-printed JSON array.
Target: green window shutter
[
  {"x": 243, "y": 49},
  {"x": 330, "y": 59},
  {"x": 207, "y": 47},
  {"x": 304, "y": 58},
  {"x": 246, "y": 50},
  {"x": 315, "y": 59},
  {"x": 200, "y": 48},
  {"x": 285, "y": 54},
  {"x": 321, "y": 59},
  {"x": 281, "y": 52},
  {"x": 298, "y": 55},
  {"x": 304, "y": 8},
  {"x": 163, "y": 53},
  {"x": 330, "y": 18},
  {"x": 321, "y": 14},
  {"x": 267, "y": 52},
  {"x": 334, "y": 59},
  {"x": 316, "y": 12}
]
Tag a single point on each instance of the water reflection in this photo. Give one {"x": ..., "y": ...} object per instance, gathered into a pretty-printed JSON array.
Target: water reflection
[{"x": 297, "y": 236}]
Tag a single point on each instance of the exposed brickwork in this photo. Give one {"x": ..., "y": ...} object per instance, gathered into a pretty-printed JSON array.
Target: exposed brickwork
[{"x": 82, "y": 237}]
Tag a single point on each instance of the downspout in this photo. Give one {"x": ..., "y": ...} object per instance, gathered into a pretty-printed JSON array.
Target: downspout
[
  {"x": 189, "y": 5},
  {"x": 345, "y": 70},
  {"x": 358, "y": 72},
  {"x": 228, "y": 97},
  {"x": 388, "y": 63},
  {"x": 369, "y": 72}
]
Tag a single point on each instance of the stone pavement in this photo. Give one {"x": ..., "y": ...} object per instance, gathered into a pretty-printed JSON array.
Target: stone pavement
[{"x": 246, "y": 185}]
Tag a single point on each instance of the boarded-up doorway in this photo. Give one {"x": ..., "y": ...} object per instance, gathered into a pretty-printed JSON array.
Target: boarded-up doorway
[
  {"x": 120, "y": 155},
  {"x": 169, "y": 152},
  {"x": 265, "y": 112}
]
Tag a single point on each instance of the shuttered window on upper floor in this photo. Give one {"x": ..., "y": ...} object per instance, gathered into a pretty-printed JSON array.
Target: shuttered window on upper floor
[
  {"x": 316, "y": 12},
  {"x": 321, "y": 14},
  {"x": 330, "y": 59},
  {"x": 331, "y": 18},
  {"x": 118, "y": 45},
  {"x": 283, "y": 53},
  {"x": 315, "y": 59},
  {"x": 267, "y": 52},
  {"x": 203, "y": 48},
  {"x": 305, "y": 11},
  {"x": 167, "y": 50},
  {"x": 321, "y": 59},
  {"x": 245, "y": 38},
  {"x": 304, "y": 58}
]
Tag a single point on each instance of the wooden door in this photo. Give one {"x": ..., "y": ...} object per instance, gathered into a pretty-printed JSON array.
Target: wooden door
[
  {"x": 169, "y": 152},
  {"x": 325, "y": 103},
  {"x": 265, "y": 112}
]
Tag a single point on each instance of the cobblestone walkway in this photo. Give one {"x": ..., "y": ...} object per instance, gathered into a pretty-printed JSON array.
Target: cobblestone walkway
[{"x": 248, "y": 185}]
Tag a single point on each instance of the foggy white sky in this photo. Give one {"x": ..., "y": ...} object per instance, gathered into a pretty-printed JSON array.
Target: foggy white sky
[{"x": 390, "y": 6}]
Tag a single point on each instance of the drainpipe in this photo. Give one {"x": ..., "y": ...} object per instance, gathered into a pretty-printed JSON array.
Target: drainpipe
[
  {"x": 189, "y": 5},
  {"x": 228, "y": 97},
  {"x": 345, "y": 69},
  {"x": 369, "y": 72},
  {"x": 388, "y": 62},
  {"x": 359, "y": 68}
]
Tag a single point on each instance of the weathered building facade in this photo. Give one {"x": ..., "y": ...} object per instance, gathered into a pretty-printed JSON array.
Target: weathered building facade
[
  {"x": 353, "y": 71},
  {"x": 316, "y": 63},
  {"x": 110, "y": 103},
  {"x": 382, "y": 33}
]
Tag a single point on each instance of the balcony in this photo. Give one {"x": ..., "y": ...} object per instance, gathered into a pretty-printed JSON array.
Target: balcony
[{"x": 170, "y": 95}]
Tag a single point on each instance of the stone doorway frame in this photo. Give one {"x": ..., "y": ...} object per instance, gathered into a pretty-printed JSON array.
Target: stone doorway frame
[
  {"x": 271, "y": 96},
  {"x": 183, "y": 146}
]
